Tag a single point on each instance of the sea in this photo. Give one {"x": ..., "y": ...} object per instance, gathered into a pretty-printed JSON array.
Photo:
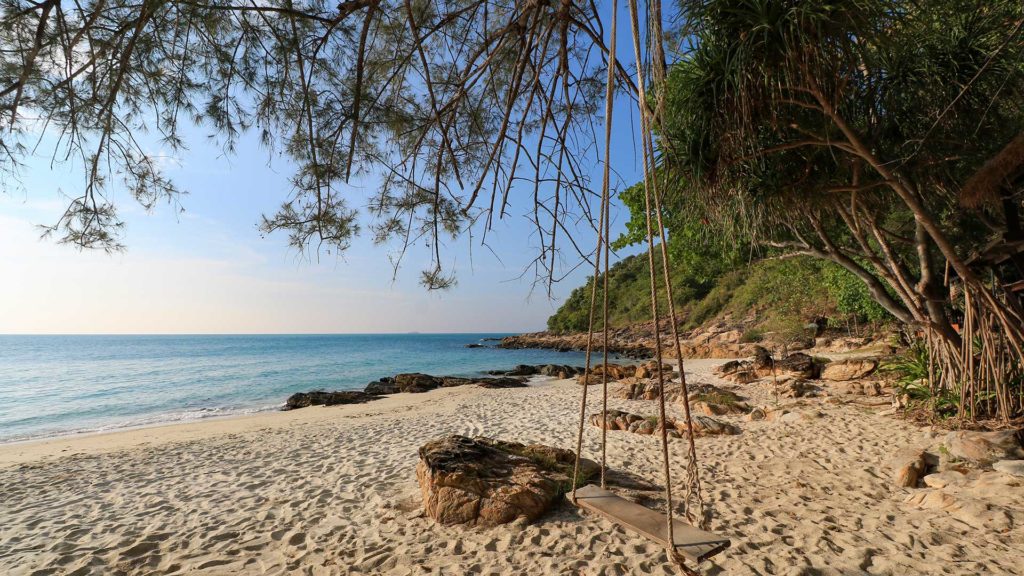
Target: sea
[{"x": 64, "y": 385}]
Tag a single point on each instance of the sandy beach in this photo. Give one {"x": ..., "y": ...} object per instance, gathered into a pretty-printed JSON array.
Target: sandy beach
[{"x": 333, "y": 491}]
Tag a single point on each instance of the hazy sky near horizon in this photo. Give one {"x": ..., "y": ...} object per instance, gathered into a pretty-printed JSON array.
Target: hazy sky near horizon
[{"x": 208, "y": 270}]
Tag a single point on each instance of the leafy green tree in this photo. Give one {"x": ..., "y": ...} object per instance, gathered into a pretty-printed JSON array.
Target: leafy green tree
[{"x": 886, "y": 136}]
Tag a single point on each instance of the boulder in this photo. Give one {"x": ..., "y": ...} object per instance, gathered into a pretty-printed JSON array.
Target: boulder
[
  {"x": 646, "y": 426},
  {"x": 637, "y": 389},
  {"x": 474, "y": 346},
  {"x": 798, "y": 365},
  {"x": 451, "y": 381},
  {"x": 757, "y": 414},
  {"x": 706, "y": 426},
  {"x": 1011, "y": 467},
  {"x": 650, "y": 370},
  {"x": 615, "y": 372},
  {"x": 908, "y": 466},
  {"x": 714, "y": 401},
  {"x": 844, "y": 370},
  {"x": 763, "y": 358},
  {"x": 321, "y": 398},
  {"x": 616, "y": 420},
  {"x": 732, "y": 367},
  {"x": 500, "y": 383},
  {"x": 383, "y": 386},
  {"x": 795, "y": 389},
  {"x": 985, "y": 447},
  {"x": 485, "y": 482},
  {"x": 522, "y": 370},
  {"x": 559, "y": 371},
  {"x": 416, "y": 382}
]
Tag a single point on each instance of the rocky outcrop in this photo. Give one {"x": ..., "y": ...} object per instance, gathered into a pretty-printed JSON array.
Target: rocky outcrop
[
  {"x": 797, "y": 388},
  {"x": 974, "y": 512},
  {"x": 485, "y": 482},
  {"x": 650, "y": 370},
  {"x": 1011, "y": 467},
  {"x": 796, "y": 365},
  {"x": 844, "y": 370},
  {"x": 721, "y": 340},
  {"x": 646, "y": 389},
  {"x": 500, "y": 383},
  {"x": 702, "y": 425},
  {"x": 858, "y": 388},
  {"x": 985, "y": 447},
  {"x": 714, "y": 401},
  {"x": 322, "y": 398},
  {"x": 417, "y": 383},
  {"x": 616, "y": 420},
  {"x": 560, "y": 371}
]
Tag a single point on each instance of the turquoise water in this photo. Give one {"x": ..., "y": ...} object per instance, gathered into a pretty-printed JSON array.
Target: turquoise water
[{"x": 56, "y": 385}]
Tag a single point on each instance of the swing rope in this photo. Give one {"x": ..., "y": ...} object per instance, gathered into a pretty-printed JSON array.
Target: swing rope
[
  {"x": 602, "y": 233},
  {"x": 652, "y": 202}
]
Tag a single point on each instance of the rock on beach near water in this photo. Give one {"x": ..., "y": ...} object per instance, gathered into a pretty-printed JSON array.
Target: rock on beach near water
[{"x": 485, "y": 482}]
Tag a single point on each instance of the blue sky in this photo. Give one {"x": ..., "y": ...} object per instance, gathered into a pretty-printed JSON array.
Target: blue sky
[{"x": 208, "y": 270}]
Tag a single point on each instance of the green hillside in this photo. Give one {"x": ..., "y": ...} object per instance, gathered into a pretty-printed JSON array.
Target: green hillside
[{"x": 776, "y": 295}]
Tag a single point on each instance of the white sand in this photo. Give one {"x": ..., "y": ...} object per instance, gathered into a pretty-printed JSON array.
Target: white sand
[{"x": 333, "y": 491}]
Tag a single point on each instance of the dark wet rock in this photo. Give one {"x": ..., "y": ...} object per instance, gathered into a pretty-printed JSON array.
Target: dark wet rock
[
  {"x": 500, "y": 383},
  {"x": 322, "y": 398},
  {"x": 383, "y": 386},
  {"x": 475, "y": 346},
  {"x": 416, "y": 382}
]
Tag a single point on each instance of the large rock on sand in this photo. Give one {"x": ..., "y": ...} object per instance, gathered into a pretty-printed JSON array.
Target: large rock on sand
[
  {"x": 985, "y": 447},
  {"x": 908, "y": 467},
  {"x": 485, "y": 482},
  {"x": 321, "y": 398},
  {"x": 797, "y": 365}
]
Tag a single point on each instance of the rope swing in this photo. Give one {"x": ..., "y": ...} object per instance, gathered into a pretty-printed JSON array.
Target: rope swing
[{"x": 682, "y": 542}]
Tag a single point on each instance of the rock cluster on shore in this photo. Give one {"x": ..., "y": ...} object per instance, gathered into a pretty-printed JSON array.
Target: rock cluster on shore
[
  {"x": 416, "y": 383},
  {"x": 958, "y": 474},
  {"x": 625, "y": 421},
  {"x": 724, "y": 339}
]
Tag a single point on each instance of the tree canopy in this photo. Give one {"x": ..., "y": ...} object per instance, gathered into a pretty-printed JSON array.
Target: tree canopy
[{"x": 449, "y": 103}]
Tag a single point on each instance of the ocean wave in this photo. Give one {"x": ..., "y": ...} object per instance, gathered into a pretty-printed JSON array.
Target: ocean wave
[{"x": 147, "y": 421}]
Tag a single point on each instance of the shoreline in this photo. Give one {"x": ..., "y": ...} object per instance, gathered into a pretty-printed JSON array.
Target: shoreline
[
  {"x": 334, "y": 491},
  {"x": 100, "y": 442}
]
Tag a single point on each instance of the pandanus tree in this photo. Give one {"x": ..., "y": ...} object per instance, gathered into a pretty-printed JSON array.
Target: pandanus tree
[{"x": 883, "y": 135}]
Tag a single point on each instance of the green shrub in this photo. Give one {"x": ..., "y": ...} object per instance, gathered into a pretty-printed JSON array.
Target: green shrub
[{"x": 753, "y": 335}]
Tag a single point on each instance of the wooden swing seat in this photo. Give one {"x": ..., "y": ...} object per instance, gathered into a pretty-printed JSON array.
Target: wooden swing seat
[{"x": 691, "y": 543}]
